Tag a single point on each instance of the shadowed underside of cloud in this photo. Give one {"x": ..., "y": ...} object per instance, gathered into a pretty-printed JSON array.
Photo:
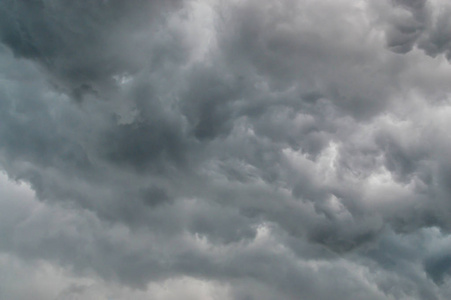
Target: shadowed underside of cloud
[{"x": 240, "y": 150}]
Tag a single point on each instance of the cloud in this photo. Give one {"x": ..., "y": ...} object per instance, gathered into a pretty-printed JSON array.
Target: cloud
[
  {"x": 422, "y": 24},
  {"x": 239, "y": 150}
]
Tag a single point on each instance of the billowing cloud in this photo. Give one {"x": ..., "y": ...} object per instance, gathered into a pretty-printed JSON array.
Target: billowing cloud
[{"x": 225, "y": 150}]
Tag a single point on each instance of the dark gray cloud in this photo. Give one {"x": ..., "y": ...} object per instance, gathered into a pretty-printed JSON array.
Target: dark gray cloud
[
  {"x": 422, "y": 24},
  {"x": 239, "y": 150}
]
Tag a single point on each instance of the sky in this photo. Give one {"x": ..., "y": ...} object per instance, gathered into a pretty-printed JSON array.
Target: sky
[{"x": 226, "y": 150}]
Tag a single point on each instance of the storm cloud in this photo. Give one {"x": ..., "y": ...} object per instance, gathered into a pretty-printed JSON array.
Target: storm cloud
[{"x": 242, "y": 149}]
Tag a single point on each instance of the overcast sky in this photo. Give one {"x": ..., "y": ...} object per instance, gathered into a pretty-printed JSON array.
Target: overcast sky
[{"x": 228, "y": 150}]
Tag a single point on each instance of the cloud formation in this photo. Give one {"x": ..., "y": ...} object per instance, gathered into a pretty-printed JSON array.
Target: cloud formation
[{"x": 240, "y": 150}]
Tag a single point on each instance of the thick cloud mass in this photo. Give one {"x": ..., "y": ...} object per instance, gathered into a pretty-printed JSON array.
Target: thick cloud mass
[{"x": 205, "y": 149}]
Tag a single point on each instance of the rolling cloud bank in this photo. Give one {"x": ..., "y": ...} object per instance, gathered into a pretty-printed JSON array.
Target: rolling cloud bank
[{"x": 207, "y": 149}]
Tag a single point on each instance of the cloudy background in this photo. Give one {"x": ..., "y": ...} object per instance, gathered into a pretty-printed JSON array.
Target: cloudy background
[{"x": 208, "y": 149}]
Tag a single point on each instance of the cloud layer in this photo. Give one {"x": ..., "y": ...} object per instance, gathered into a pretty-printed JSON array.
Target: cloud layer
[{"x": 225, "y": 150}]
